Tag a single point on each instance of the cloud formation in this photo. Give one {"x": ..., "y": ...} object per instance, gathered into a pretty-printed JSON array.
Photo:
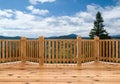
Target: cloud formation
[
  {"x": 18, "y": 23},
  {"x": 37, "y": 11},
  {"x": 34, "y": 2}
]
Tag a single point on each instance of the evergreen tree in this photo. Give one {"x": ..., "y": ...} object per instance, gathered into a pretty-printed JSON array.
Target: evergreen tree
[{"x": 98, "y": 29}]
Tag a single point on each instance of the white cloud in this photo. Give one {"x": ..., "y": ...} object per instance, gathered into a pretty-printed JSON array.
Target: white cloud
[
  {"x": 30, "y": 7},
  {"x": 40, "y": 1},
  {"x": 112, "y": 12},
  {"x": 6, "y": 13},
  {"x": 17, "y": 23},
  {"x": 37, "y": 11}
]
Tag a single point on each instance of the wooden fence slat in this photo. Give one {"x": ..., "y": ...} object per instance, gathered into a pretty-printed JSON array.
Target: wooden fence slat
[
  {"x": 7, "y": 51},
  {"x": 103, "y": 51},
  {"x": 0, "y": 52},
  {"x": 14, "y": 57},
  {"x": 49, "y": 55},
  {"x": 30, "y": 50},
  {"x": 61, "y": 52},
  {"x": 3, "y": 52},
  {"x": 84, "y": 54},
  {"x": 107, "y": 51},
  {"x": 91, "y": 50},
  {"x": 88, "y": 51},
  {"x": 46, "y": 51},
  {"x": 81, "y": 50},
  {"x": 53, "y": 57},
  {"x": 110, "y": 51},
  {"x": 116, "y": 50},
  {"x": 56, "y": 51},
  {"x": 37, "y": 51},
  {"x": 113, "y": 50},
  {"x": 67, "y": 51},
  {"x": 87, "y": 46},
  {"x": 75, "y": 52},
  {"x": 10, "y": 51},
  {"x": 100, "y": 56},
  {"x": 19, "y": 51},
  {"x": 34, "y": 51},
  {"x": 27, "y": 51},
  {"x": 71, "y": 52},
  {"x": 64, "y": 56},
  {"x": 16, "y": 48},
  {"x": 14, "y": 51}
]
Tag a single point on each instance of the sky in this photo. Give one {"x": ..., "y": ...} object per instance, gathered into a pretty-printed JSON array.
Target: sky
[{"x": 34, "y": 18}]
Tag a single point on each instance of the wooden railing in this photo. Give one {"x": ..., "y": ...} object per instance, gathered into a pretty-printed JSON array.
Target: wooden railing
[
  {"x": 109, "y": 50},
  {"x": 60, "y": 51},
  {"x": 32, "y": 50},
  {"x": 67, "y": 51},
  {"x": 87, "y": 50},
  {"x": 10, "y": 50}
]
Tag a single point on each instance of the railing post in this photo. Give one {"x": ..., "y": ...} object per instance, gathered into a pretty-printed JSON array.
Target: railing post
[
  {"x": 96, "y": 48},
  {"x": 79, "y": 44},
  {"x": 23, "y": 50},
  {"x": 41, "y": 50}
]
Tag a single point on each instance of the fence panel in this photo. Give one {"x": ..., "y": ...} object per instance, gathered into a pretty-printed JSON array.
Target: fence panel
[
  {"x": 32, "y": 51},
  {"x": 60, "y": 51},
  {"x": 109, "y": 50},
  {"x": 87, "y": 51},
  {"x": 10, "y": 51}
]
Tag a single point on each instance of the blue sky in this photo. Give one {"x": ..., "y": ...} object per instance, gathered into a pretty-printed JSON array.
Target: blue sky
[{"x": 32, "y": 18}]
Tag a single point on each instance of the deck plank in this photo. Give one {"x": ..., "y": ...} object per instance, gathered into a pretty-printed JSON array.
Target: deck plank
[{"x": 88, "y": 73}]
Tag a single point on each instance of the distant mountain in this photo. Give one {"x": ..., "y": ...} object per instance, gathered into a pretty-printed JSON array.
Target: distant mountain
[
  {"x": 116, "y": 36},
  {"x": 70, "y": 36},
  {"x": 6, "y": 37}
]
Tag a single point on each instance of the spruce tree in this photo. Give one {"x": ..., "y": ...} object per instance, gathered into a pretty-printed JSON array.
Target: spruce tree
[{"x": 98, "y": 29}]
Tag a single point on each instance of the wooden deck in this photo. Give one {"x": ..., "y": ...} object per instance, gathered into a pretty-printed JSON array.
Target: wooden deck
[{"x": 88, "y": 73}]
